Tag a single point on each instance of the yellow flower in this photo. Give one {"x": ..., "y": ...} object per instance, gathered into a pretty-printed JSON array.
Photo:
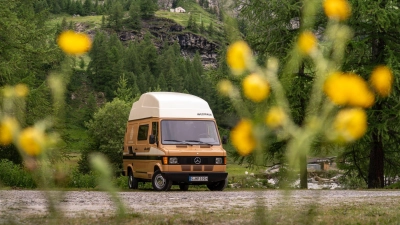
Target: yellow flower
[
  {"x": 307, "y": 42},
  {"x": 21, "y": 90},
  {"x": 348, "y": 89},
  {"x": 74, "y": 43},
  {"x": 255, "y": 87},
  {"x": 237, "y": 56},
  {"x": 7, "y": 128},
  {"x": 350, "y": 124},
  {"x": 31, "y": 141},
  {"x": 337, "y": 9},
  {"x": 381, "y": 80},
  {"x": 242, "y": 137},
  {"x": 8, "y": 91},
  {"x": 275, "y": 117},
  {"x": 225, "y": 87}
]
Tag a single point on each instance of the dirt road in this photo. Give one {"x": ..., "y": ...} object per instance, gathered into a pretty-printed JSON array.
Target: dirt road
[{"x": 72, "y": 203}]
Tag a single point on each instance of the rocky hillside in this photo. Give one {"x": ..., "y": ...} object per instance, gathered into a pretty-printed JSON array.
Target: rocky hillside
[{"x": 166, "y": 30}]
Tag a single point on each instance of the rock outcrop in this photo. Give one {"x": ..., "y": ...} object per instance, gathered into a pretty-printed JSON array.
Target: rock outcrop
[{"x": 165, "y": 30}]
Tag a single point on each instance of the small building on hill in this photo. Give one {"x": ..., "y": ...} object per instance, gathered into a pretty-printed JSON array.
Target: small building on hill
[{"x": 178, "y": 10}]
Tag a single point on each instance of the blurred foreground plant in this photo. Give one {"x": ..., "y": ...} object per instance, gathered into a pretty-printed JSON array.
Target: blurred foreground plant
[
  {"x": 335, "y": 111},
  {"x": 38, "y": 143}
]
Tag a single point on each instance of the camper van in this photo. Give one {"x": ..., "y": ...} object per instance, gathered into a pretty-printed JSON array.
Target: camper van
[{"x": 172, "y": 139}]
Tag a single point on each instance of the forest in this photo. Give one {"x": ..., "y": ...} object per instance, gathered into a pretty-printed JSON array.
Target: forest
[{"x": 98, "y": 88}]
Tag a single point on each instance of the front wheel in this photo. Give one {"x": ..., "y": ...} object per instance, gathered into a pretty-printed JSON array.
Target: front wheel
[
  {"x": 132, "y": 181},
  {"x": 160, "y": 183},
  {"x": 218, "y": 186}
]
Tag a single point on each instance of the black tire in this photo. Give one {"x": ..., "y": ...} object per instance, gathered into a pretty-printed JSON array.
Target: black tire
[
  {"x": 132, "y": 181},
  {"x": 184, "y": 187},
  {"x": 218, "y": 186},
  {"x": 159, "y": 182}
]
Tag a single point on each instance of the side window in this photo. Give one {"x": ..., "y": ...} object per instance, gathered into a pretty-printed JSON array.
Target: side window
[{"x": 143, "y": 131}]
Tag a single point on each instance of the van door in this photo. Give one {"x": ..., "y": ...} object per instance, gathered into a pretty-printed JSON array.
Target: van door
[
  {"x": 130, "y": 137},
  {"x": 142, "y": 142},
  {"x": 141, "y": 165}
]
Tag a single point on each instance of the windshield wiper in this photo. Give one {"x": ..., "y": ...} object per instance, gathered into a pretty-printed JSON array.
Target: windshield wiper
[
  {"x": 200, "y": 142},
  {"x": 183, "y": 142}
]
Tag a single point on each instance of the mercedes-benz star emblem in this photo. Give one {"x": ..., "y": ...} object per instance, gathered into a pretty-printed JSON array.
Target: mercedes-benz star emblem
[{"x": 197, "y": 160}]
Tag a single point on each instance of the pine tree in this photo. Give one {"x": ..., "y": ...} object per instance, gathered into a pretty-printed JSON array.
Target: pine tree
[
  {"x": 162, "y": 83},
  {"x": 273, "y": 21},
  {"x": 148, "y": 8},
  {"x": 374, "y": 157},
  {"x": 36, "y": 55},
  {"x": 72, "y": 10},
  {"x": 64, "y": 24},
  {"x": 148, "y": 53},
  {"x": 132, "y": 61},
  {"x": 116, "y": 15},
  {"x": 115, "y": 51},
  {"x": 210, "y": 29},
  {"x": 90, "y": 108},
  {"x": 134, "y": 20},
  {"x": 81, "y": 63},
  {"x": 151, "y": 82},
  {"x": 132, "y": 82},
  {"x": 194, "y": 27},
  {"x": 174, "y": 81},
  {"x": 40, "y": 6},
  {"x": 142, "y": 80},
  {"x": 190, "y": 22},
  {"x": 123, "y": 92},
  {"x": 67, "y": 6},
  {"x": 100, "y": 68},
  {"x": 79, "y": 7},
  {"x": 71, "y": 25},
  {"x": 103, "y": 21},
  {"x": 87, "y": 7},
  {"x": 202, "y": 28}
]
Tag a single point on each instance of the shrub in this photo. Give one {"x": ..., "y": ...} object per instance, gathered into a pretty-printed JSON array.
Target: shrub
[
  {"x": 13, "y": 175},
  {"x": 393, "y": 186},
  {"x": 80, "y": 180},
  {"x": 351, "y": 180},
  {"x": 121, "y": 182},
  {"x": 106, "y": 132}
]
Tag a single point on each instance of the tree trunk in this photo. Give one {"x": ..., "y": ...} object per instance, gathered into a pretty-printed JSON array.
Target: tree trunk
[
  {"x": 376, "y": 163},
  {"x": 303, "y": 171},
  {"x": 303, "y": 157},
  {"x": 376, "y": 160}
]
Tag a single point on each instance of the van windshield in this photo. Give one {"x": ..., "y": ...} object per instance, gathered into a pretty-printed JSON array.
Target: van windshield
[{"x": 189, "y": 132}]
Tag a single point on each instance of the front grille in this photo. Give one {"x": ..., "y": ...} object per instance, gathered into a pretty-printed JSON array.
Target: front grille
[{"x": 204, "y": 160}]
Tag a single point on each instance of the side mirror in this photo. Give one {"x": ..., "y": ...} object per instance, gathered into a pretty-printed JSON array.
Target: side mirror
[
  {"x": 152, "y": 139},
  {"x": 224, "y": 139}
]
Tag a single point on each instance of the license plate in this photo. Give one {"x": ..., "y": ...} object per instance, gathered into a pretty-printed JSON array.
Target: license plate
[{"x": 205, "y": 178}]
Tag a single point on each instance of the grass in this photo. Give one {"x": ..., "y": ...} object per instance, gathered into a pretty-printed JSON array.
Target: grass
[
  {"x": 198, "y": 14},
  {"x": 183, "y": 18},
  {"x": 77, "y": 139},
  {"x": 238, "y": 170},
  {"x": 368, "y": 212},
  {"x": 92, "y": 22},
  {"x": 192, "y": 8}
]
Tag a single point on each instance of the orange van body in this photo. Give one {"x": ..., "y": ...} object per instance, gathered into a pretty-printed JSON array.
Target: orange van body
[{"x": 172, "y": 139}]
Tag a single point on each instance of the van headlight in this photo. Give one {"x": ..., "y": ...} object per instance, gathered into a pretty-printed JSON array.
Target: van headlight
[
  {"x": 173, "y": 160},
  {"x": 219, "y": 160}
]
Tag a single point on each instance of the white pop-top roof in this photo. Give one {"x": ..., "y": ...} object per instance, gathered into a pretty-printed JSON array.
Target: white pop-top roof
[{"x": 170, "y": 105}]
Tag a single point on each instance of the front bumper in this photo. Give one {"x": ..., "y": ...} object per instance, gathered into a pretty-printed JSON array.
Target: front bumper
[{"x": 182, "y": 177}]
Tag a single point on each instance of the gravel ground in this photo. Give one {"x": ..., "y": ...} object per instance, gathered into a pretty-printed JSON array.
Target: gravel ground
[{"x": 73, "y": 203}]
